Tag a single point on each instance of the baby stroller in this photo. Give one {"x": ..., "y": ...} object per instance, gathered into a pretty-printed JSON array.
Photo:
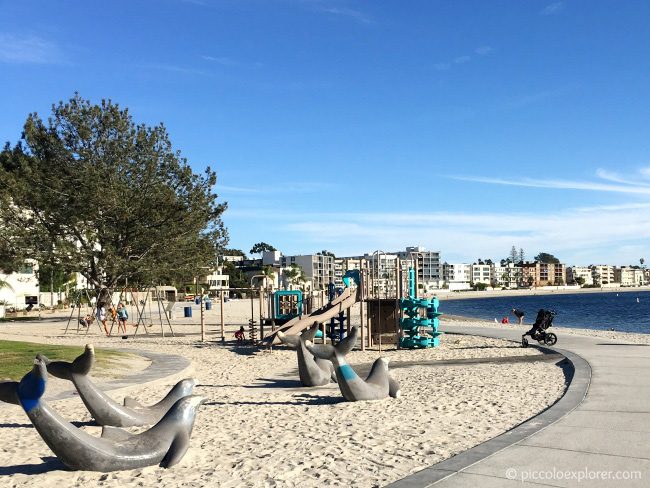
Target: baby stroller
[{"x": 543, "y": 321}]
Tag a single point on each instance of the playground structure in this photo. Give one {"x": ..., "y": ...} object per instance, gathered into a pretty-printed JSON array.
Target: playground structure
[{"x": 418, "y": 331}]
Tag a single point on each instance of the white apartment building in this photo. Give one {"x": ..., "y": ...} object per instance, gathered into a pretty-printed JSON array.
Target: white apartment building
[
  {"x": 482, "y": 273},
  {"x": 603, "y": 274},
  {"x": 429, "y": 268},
  {"x": 584, "y": 272},
  {"x": 505, "y": 276},
  {"x": 342, "y": 265},
  {"x": 319, "y": 269},
  {"x": 382, "y": 278},
  {"x": 21, "y": 289},
  {"x": 628, "y": 276},
  {"x": 458, "y": 276}
]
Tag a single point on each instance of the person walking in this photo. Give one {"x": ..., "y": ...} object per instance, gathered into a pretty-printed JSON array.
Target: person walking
[{"x": 519, "y": 314}]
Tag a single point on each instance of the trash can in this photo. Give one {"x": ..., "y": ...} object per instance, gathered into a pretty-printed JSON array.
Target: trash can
[
  {"x": 197, "y": 300},
  {"x": 208, "y": 305},
  {"x": 187, "y": 311}
]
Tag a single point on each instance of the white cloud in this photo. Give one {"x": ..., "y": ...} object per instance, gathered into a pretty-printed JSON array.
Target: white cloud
[
  {"x": 28, "y": 50},
  {"x": 482, "y": 50},
  {"x": 552, "y": 8},
  {"x": 462, "y": 59},
  {"x": 347, "y": 12}
]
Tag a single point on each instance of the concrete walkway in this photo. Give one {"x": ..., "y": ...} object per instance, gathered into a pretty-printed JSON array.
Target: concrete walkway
[{"x": 597, "y": 435}]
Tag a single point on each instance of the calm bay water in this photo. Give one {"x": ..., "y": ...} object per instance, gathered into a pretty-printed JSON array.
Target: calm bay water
[{"x": 600, "y": 310}]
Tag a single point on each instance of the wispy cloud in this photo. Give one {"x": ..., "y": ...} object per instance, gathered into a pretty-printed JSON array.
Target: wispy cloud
[
  {"x": 357, "y": 15},
  {"x": 29, "y": 50},
  {"x": 171, "y": 68},
  {"x": 274, "y": 188},
  {"x": 552, "y": 8},
  {"x": 226, "y": 61},
  {"x": 626, "y": 184},
  {"x": 463, "y": 236},
  {"x": 463, "y": 59}
]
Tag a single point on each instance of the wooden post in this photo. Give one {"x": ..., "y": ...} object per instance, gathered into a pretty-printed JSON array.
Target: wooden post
[
  {"x": 202, "y": 318},
  {"x": 362, "y": 325},
  {"x": 223, "y": 334}
]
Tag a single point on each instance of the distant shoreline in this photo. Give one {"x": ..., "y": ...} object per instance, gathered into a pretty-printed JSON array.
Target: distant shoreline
[{"x": 463, "y": 295}]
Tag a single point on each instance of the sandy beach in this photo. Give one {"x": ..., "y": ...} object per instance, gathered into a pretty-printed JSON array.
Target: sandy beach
[{"x": 260, "y": 428}]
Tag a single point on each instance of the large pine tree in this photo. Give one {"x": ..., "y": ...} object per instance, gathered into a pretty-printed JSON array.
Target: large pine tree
[{"x": 91, "y": 191}]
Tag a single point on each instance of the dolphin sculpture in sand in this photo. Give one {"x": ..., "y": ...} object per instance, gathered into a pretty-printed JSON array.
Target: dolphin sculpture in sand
[
  {"x": 165, "y": 443},
  {"x": 312, "y": 371},
  {"x": 379, "y": 384},
  {"x": 103, "y": 408}
]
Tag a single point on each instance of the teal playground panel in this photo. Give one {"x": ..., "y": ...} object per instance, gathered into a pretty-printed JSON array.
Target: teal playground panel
[
  {"x": 420, "y": 331},
  {"x": 287, "y": 304}
]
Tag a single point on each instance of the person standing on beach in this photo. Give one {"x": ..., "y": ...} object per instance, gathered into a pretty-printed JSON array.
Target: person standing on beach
[
  {"x": 519, "y": 314},
  {"x": 122, "y": 316},
  {"x": 101, "y": 316}
]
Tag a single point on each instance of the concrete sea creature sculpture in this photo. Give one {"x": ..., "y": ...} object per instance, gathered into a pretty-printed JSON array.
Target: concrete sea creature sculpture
[
  {"x": 312, "y": 371},
  {"x": 164, "y": 444},
  {"x": 103, "y": 408},
  {"x": 379, "y": 384}
]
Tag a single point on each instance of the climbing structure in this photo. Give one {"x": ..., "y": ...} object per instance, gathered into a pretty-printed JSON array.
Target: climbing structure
[{"x": 419, "y": 331}]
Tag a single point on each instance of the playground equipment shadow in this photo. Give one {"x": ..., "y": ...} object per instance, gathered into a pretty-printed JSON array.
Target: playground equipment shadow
[{"x": 48, "y": 464}]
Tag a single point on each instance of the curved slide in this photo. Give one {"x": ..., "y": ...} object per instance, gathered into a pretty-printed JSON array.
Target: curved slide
[{"x": 341, "y": 303}]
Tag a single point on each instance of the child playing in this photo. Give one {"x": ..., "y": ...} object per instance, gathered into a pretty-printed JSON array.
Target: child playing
[
  {"x": 101, "y": 316},
  {"x": 122, "y": 316},
  {"x": 239, "y": 335},
  {"x": 86, "y": 321}
]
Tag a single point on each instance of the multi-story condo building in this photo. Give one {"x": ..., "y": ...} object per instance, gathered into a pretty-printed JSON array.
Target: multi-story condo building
[
  {"x": 457, "y": 276},
  {"x": 603, "y": 274},
  {"x": 628, "y": 276},
  {"x": 342, "y": 265},
  {"x": 576, "y": 272},
  {"x": 543, "y": 274},
  {"x": 507, "y": 275},
  {"x": 482, "y": 273},
  {"x": 428, "y": 266},
  {"x": 382, "y": 278},
  {"x": 319, "y": 269}
]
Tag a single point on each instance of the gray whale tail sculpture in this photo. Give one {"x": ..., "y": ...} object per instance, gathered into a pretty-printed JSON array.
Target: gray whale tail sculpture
[
  {"x": 165, "y": 443},
  {"x": 312, "y": 371},
  {"x": 103, "y": 408},
  {"x": 377, "y": 385}
]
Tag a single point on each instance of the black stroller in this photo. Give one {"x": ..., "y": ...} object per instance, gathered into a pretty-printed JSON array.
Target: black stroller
[{"x": 543, "y": 321}]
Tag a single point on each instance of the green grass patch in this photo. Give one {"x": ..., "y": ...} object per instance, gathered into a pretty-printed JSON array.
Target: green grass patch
[{"x": 17, "y": 358}]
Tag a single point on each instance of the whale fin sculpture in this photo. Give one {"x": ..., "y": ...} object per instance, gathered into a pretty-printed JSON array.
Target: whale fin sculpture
[
  {"x": 103, "y": 408},
  {"x": 115, "y": 433},
  {"x": 377, "y": 385},
  {"x": 312, "y": 371},
  {"x": 8, "y": 391},
  {"x": 165, "y": 443},
  {"x": 179, "y": 390}
]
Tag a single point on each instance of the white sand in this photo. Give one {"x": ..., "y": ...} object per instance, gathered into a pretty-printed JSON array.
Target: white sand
[{"x": 259, "y": 428}]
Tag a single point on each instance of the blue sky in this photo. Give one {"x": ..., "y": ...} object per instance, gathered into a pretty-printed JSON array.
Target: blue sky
[{"x": 463, "y": 126}]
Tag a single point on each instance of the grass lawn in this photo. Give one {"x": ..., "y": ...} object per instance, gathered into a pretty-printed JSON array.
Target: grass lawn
[{"x": 17, "y": 358}]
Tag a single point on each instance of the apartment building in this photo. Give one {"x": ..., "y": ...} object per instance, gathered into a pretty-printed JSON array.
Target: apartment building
[
  {"x": 318, "y": 269},
  {"x": 628, "y": 276},
  {"x": 429, "y": 267},
  {"x": 457, "y": 276},
  {"x": 342, "y": 265},
  {"x": 382, "y": 279},
  {"x": 21, "y": 289},
  {"x": 482, "y": 273},
  {"x": 543, "y": 274},
  {"x": 506, "y": 275},
  {"x": 576, "y": 272},
  {"x": 603, "y": 274}
]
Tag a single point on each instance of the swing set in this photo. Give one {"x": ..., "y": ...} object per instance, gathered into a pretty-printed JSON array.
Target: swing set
[{"x": 143, "y": 308}]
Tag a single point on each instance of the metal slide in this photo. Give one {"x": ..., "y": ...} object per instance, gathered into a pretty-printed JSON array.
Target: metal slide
[{"x": 341, "y": 303}]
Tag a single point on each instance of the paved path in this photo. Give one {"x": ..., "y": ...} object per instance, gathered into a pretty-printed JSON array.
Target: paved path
[
  {"x": 162, "y": 366},
  {"x": 597, "y": 435}
]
